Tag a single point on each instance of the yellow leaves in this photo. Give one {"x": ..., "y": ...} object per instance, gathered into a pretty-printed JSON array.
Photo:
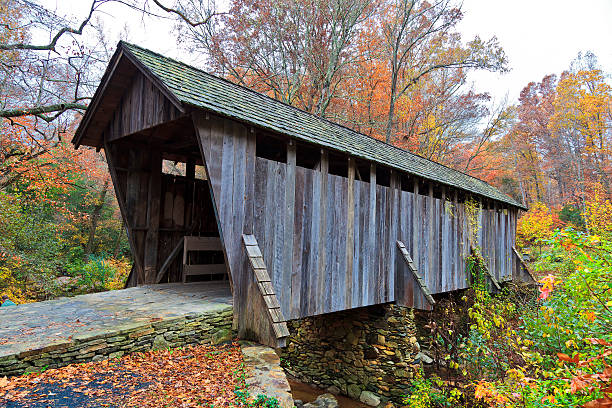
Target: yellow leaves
[
  {"x": 535, "y": 226},
  {"x": 549, "y": 398},
  {"x": 598, "y": 216}
]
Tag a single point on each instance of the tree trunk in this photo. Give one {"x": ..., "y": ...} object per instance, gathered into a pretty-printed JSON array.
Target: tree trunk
[
  {"x": 118, "y": 240},
  {"x": 95, "y": 217}
]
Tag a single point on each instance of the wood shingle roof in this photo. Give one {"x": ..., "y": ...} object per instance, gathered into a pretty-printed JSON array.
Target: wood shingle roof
[{"x": 197, "y": 88}]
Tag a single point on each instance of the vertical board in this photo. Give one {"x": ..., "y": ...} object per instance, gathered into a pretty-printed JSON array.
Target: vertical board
[{"x": 328, "y": 241}]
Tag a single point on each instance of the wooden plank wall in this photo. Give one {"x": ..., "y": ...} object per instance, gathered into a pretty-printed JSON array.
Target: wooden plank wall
[
  {"x": 328, "y": 241},
  {"x": 228, "y": 150},
  {"x": 142, "y": 106}
]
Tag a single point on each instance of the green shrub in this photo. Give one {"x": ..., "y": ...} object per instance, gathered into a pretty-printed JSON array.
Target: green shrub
[{"x": 96, "y": 274}]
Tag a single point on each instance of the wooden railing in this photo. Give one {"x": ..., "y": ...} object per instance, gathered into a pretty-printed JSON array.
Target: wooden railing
[{"x": 523, "y": 272}]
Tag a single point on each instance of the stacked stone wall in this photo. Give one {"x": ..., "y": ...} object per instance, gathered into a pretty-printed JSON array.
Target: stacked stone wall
[
  {"x": 370, "y": 354},
  {"x": 212, "y": 327}
]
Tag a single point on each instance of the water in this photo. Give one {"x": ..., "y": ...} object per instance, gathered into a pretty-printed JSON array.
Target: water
[{"x": 308, "y": 393}]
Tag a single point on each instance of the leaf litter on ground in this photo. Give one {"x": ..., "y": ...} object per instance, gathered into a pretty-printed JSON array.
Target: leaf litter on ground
[{"x": 193, "y": 376}]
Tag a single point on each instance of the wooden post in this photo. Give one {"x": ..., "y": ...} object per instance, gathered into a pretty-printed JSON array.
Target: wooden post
[
  {"x": 189, "y": 189},
  {"x": 372, "y": 261},
  {"x": 393, "y": 234},
  {"x": 445, "y": 272},
  {"x": 350, "y": 232},
  {"x": 416, "y": 209},
  {"x": 289, "y": 228},
  {"x": 324, "y": 166},
  {"x": 153, "y": 215},
  {"x": 431, "y": 274}
]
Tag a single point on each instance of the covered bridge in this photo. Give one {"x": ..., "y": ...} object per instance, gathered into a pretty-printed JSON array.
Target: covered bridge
[{"x": 300, "y": 215}]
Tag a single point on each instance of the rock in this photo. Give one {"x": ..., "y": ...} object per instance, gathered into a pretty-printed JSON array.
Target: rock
[
  {"x": 160, "y": 342},
  {"x": 116, "y": 354},
  {"x": 221, "y": 336},
  {"x": 354, "y": 391},
  {"x": 352, "y": 339},
  {"x": 66, "y": 281},
  {"x": 369, "y": 398},
  {"x": 333, "y": 389},
  {"x": 298, "y": 403},
  {"x": 424, "y": 358},
  {"x": 371, "y": 353},
  {"x": 323, "y": 401}
]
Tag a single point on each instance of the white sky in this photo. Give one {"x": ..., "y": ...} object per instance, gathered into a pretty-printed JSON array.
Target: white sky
[{"x": 540, "y": 37}]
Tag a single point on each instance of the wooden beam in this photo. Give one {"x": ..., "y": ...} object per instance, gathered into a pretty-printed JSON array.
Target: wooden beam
[
  {"x": 323, "y": 174},
  {"x": 287, "y": 267},
  {"x": 421, "y": 283},
  {"x": 431, "y": 273},
  {"x": 372, "y": 261},
  {"x": 276, "y": 322},
  {"x": 202, "y": 243},
  {"x": 524, "y": 265},
  {"x": 169, "y": 260},
  {"x": 415, "y": 221}
]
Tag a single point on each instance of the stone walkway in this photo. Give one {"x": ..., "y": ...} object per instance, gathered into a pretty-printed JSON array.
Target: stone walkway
[
  {"x": 264, "y": 375},
  {"x": 46, "y": 327}
]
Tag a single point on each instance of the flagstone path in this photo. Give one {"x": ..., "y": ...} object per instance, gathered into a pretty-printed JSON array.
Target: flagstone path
[{"x": 93, "y": 326}]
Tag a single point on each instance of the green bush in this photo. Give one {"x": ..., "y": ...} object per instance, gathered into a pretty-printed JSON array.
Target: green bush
[{"x": 96, "y": 274}]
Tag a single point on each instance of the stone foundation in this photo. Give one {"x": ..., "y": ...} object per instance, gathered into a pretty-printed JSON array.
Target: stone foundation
[
  {"x": 214, "y": 326},
  {"x": 367, "y": 353}
]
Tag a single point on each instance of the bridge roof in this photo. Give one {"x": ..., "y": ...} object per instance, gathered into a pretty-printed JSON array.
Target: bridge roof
[{"x": 194, "y": 87}]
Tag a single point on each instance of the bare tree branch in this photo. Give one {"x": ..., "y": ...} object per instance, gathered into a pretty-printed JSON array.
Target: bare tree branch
[{"x": 53, "y": 43}]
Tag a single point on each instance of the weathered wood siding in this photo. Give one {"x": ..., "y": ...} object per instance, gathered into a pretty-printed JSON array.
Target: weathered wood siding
[
  {"x": 142, "y": 106},
  {"x": 329, "y": 242}
]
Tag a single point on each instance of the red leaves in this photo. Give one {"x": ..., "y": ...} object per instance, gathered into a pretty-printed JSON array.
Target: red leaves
[
  {"x": 605, "y": 402},
  {"x": 601, "y": 342},
  {"x": 599, "y": 381},
  {"x": 548, "y": 284},
  {"x": 194, "y": 376},
  {"x": 565, "y": 357}
]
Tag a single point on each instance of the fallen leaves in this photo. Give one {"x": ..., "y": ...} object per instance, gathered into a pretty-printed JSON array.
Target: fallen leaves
[{"x": 186, "y": 377}]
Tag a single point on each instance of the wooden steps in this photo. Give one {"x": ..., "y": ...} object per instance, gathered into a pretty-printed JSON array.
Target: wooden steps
[
  {"x": 266, "y": 290},
  {"x": 417, "y": 277}
]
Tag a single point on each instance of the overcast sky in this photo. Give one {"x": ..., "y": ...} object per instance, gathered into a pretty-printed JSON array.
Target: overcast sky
[{"x": 540, "y": 37}]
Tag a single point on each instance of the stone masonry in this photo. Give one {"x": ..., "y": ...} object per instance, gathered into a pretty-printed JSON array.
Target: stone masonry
[
  {"x": 369, "y": 354},
  {"x": 107, "y": 325}
]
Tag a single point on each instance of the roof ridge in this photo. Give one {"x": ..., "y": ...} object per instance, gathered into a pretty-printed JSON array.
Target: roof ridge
[{"x": 130, "y": 46}]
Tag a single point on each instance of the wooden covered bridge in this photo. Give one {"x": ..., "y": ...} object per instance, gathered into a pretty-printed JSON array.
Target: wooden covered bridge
[{"x": 301, "y": 216}]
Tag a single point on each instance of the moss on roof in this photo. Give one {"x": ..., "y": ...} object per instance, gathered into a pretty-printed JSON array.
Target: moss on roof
[{"x": 195, "y": 87}]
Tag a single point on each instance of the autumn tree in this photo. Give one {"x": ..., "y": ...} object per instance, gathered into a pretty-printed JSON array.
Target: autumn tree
[
  {"x": 296, "y": 51},
  {"x": 560, "y": 144},
  {"x": 421, "y": 39}
]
